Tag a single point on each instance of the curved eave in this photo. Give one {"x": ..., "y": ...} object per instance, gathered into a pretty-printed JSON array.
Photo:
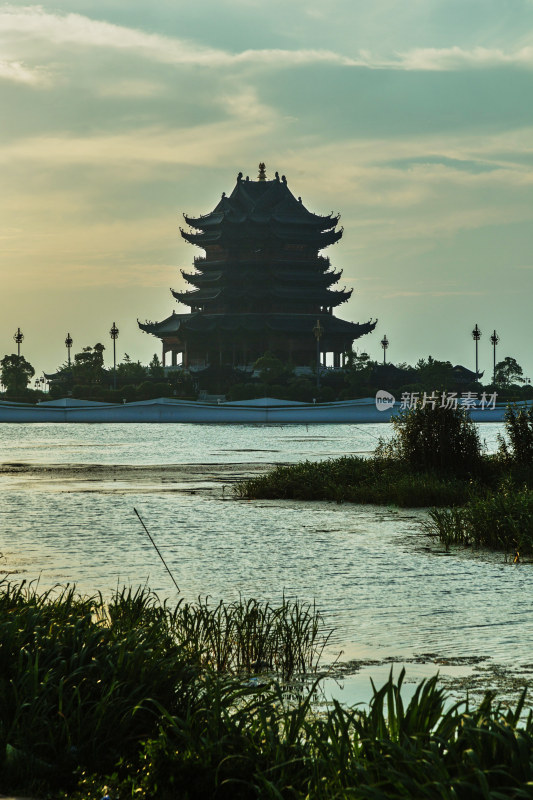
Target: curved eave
[
  {"x": 297, "y": 324},
  {"x": 204, "y": 222},
  {"x": 313, "y": 221},
  {"x": 198, "y": 297},
  {"x": 288, "y": 236},
  {"x": 321, "y": 280},
  {"x": 167, "y": 327}
]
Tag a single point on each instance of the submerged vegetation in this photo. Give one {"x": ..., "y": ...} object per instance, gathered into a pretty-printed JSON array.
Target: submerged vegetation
[{"x": 153, "y": 701}]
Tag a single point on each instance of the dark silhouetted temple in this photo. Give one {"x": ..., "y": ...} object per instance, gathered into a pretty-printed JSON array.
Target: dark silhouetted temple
[{"x": 261, "y": 285}]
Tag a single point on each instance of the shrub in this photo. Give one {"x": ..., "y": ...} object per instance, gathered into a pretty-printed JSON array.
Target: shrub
[
  {"x": 519, "y": 428},
  {"x": 439, "y": 439}
]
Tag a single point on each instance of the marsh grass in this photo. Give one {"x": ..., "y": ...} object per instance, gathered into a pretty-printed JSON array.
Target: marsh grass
[
  {"x": 80, "y": 678},
  {"x": 237, "y": 744},
  {"x": 499, "y": 521},
  {"x": 351, "y": 479},
  {"x": 434, "y": 459},
  {"x": 249, "y": 636},
  {"x": 518, "y": 448},
  {"x": 150, "y": 700}
]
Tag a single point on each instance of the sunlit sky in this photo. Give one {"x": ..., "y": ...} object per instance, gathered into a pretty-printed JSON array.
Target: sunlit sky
[{"x": 412, "y": 119}]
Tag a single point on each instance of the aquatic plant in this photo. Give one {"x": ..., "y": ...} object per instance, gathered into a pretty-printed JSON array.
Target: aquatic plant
[
  {"x": 357, "y": 480},
  {"x": 243, "y": 743},
  {"x": 81, "y": 678},
  {"x": 502, "y": 521},
  {"x": 250, "y": 636},
  {"x": 123, "y": 694},
  {"x": 519, "y": 429},
  {"x": 438, "y": 439}
]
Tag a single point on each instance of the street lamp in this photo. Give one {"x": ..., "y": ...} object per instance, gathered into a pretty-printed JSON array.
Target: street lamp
[
  {"x": 114, "y": 335},
  {"x": 494, "y": 339},
  {"x": 19, "y": 338},
  {"x": 318, "y": 331},
  {"x": 476, "y": 335},
  {"x": 68, "y": 343},
  {"x": 384, "y": 344}
]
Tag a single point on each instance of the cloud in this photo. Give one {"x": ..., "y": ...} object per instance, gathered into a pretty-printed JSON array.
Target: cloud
[
  {"x": 34, "y": 22},
  {"x": 18, "y": 73},
  {"x": 75, "y": 29},
  {"x": 457, "y": 58}
]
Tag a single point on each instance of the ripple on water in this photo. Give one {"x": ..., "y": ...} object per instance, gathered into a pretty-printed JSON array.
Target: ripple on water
[{"x": 373, "y": 573}]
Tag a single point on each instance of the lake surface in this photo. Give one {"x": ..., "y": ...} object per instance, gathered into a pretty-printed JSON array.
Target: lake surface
[{"x": 387, "y": 589}]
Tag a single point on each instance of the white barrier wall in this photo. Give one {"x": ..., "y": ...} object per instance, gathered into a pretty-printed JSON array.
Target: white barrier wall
[{"x": 266, "y": 410}]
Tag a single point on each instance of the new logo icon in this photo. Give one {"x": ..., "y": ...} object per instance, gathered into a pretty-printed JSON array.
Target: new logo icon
[{"x": 384, "y": 400}]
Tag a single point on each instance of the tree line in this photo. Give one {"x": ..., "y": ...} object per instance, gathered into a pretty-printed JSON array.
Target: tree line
[{"x": 86, "y": 377}]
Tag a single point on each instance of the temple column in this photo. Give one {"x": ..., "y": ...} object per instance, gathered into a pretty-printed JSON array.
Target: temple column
[{"x": 164, "y": 356}]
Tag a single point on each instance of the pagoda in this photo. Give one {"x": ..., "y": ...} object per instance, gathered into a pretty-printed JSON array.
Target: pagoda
[{"x": 261, "y": 285}]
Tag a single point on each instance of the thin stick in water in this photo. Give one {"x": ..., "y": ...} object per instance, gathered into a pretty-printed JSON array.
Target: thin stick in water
[{"x": 157, "y": 550}]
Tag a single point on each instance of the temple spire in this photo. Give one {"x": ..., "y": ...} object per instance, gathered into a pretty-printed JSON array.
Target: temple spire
[{"x": 262, "y": 173}]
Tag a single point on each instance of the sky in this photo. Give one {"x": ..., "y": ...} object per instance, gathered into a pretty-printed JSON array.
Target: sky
[{"x": 414, "y": 120}]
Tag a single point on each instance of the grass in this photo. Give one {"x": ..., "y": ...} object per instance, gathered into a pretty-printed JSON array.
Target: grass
[
  {"x": 500, "y": 521},
  {"x": 81, "y": 679},
  {"x": 352, "y": 479},
  {"x": 152, "y": 702},
  {"x": 434, "y": 460}
]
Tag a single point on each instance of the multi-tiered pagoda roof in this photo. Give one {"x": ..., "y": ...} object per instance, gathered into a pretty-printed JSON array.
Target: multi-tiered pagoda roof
[{"x": 262, "y": 283}]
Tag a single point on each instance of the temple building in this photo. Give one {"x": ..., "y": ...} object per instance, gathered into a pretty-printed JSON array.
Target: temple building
[{"x": 261, "y": 285}]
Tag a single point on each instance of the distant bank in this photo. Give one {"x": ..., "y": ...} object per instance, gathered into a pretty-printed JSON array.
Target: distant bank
[{"x": 265, "y": 410}]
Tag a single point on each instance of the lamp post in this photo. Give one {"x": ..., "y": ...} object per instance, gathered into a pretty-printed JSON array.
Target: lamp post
[
  {"x": 19, "y": 338},
  {"x": 476, "y": 335},
  {"x": 384, "y": 344},
  {"x": 68, "y": 343},
  {"x": 114, "y": 335},
  {"x": 494, "y": 339},
  {"x": 318, "y": 331}
]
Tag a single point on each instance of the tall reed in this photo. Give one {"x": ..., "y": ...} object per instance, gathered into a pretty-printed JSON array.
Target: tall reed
[{"x": 500, "y": 521}]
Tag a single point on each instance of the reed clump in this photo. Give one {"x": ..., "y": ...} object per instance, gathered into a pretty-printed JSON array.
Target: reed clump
[
  {"x": 500, "y": 521},
  {"x": 134, "y": 695},
  {"x": 352, "y": 479},
  {"x": 434, "y": 459},
  {"x": 238, "y": 743},
  {"x": 81, "y": 680}
]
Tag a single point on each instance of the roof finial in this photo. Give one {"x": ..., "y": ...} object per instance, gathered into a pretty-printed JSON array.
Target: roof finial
[
  {"x": 239, "y": 177},
  {"x": 262, "y": 174}
]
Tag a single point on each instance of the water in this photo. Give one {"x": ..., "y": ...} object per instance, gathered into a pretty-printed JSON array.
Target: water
[{"x": 380, "y": 582}]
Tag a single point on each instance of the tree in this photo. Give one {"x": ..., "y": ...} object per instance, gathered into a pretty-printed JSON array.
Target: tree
[
  {"x": 272, "y": 369},
  {"x": 434, "y": 374},
  {"x": 88, "y": 367},
  {"x": 130, "y": 371},
  {"x": 157, "y": 371},
  {"x": 507, "y": 372},
  {"x": 358, "y": 372},
  {"x": 16, "y": 373}
]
